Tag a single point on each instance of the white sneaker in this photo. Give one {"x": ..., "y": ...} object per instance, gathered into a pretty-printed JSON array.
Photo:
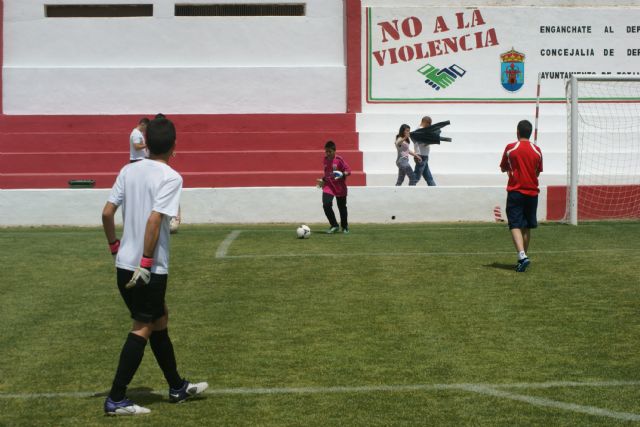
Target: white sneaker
[
  {"x": 188, "y": 390},
  {"x": 124, "y": 407}
]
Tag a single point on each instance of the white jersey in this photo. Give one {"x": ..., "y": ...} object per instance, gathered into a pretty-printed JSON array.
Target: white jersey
[
  {"x": 140, "y": 188},
  {"x": 136, "y": 137},
  {"x": 422, "y": 149}
]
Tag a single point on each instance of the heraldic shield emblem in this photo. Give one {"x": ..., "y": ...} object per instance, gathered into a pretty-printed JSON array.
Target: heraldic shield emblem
[{"x": 512, "y": 70}]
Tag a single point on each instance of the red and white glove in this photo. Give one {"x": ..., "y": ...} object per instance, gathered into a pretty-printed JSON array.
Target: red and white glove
[{"x": 142, "y": 275}]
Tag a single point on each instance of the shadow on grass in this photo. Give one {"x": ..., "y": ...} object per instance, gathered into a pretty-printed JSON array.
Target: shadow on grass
[
  {"x": 500, "y": 266},
  {"x": 146, "y": 396},
  {"x": 143, "y": 396}
]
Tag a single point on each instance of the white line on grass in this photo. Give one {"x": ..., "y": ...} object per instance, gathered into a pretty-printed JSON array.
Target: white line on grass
[
  {"x": 476, "y": 388},
  {"x": 224, "y": 246},
  {"x": 416, "y": 387},
  {"x": 404, "y": 254},
  {"x": 14, "y": 230},
  {"x": 398, "y": 227},
  {"x": 554, "y": 384},
  {"x": 541, "y": 401},
  {"x": 484, "y": 389}
]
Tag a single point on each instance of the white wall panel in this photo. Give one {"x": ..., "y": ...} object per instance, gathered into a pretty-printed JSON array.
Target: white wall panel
[
  {"x": 256, "y": 205},
  {"x": 174, "y": 64},
  {"x": 174, "y": 90}
]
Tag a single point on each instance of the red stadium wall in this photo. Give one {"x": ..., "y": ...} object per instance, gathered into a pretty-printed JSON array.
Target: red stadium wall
[
  {"x": 212, "y": 150},
  {"x": 1, "y": 51},
  {"x": 595, "y": 202},
  {"x": 234, "y": 150},
  {"x": 353, "y": 16}
]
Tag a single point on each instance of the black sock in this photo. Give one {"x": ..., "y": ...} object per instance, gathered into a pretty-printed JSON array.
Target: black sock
[
  {"x": 163, "y": 351},
  {"x": 130, "y": 358}
]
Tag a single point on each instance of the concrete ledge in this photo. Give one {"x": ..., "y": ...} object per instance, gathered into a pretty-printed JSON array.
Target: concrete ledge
[
  {"x": 482, "y": 163},
  {"x": 83, "y": 207},
  {"x": 379, "y": 178}
]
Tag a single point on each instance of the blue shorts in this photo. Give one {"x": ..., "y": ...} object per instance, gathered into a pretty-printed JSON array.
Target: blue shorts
[{"x": 521, "y": 210}]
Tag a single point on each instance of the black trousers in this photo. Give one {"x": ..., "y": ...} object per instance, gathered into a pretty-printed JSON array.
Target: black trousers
[{"x": 327, "y": 205}]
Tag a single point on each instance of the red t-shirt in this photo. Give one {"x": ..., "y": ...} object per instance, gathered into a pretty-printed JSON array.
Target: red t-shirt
[
  {"x": 523, "y": 161},
  {"x": 337, "y": 187}
]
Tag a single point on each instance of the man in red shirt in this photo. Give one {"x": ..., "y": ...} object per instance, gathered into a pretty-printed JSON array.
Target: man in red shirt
[{"x": 522, "y": 160}]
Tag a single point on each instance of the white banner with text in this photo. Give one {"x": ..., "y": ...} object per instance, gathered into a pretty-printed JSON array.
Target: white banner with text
[{"x": 493, "y": 54}]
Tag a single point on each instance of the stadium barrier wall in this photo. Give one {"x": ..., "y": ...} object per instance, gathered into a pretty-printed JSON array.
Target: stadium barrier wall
[{"x": 83, "y": 207}]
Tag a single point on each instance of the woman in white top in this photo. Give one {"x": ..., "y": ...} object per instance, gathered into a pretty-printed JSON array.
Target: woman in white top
[{"x": 402, "y": 161}]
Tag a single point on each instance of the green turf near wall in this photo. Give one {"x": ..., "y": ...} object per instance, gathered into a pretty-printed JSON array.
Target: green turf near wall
[{"x": 390, "y": 325}]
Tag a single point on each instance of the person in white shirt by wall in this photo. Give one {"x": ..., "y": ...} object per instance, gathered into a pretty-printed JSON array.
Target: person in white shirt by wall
[{"x": 137, "y": 144}]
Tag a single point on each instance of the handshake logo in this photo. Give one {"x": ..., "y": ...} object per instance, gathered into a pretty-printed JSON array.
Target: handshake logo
[{"x": 441, "y": 78}]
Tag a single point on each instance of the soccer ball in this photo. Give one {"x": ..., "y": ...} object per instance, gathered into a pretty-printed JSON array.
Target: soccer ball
[{"x": 303, "y": 232}]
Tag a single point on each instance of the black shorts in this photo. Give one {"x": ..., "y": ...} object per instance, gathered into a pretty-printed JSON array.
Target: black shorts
[
  {"x": 145, "y": 303},
  {"x": 521, "y": 210}
]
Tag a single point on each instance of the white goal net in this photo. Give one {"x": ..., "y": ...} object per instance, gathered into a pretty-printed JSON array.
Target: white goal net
[{"x": 603, "y": 152}]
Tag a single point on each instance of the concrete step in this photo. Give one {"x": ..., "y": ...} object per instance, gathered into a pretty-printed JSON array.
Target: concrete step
[
  {"x": 191, "y": 179},
  {"x": 183, "y": 122},
  {"x": 212, "y": 150},
  {"x": 193, "y": 161},
  {"x": 471, "y": 122},
  {"x": 187, "y": 141},
  {"x": 465, "y": 141},
  {"x": 490, "y": 121},
  {"x": 381, "y": 178},
  {"x": 458, "y": 163},
  {"x": 263, "y": 179}
]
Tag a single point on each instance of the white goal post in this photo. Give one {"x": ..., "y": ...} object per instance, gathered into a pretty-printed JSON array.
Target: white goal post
[{"x": 603, "y": 148}]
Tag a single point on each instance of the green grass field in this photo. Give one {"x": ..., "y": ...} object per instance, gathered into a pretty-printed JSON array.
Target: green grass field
[{"x": 392, "y": 325}]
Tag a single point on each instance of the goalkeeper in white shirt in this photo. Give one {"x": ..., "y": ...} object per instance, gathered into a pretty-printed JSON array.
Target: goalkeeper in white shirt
[{"x": 149, "y": 193}]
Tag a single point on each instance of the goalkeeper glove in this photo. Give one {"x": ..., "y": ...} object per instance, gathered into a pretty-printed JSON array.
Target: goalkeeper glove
[
  {"x": 337, "y": 174},
  {"x": 113, "y": 247},
  {"x": 142, "y": 275}
]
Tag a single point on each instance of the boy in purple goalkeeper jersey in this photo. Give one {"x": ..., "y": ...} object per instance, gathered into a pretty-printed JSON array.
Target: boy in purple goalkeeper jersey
[{"x": 334, "y": 184}]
